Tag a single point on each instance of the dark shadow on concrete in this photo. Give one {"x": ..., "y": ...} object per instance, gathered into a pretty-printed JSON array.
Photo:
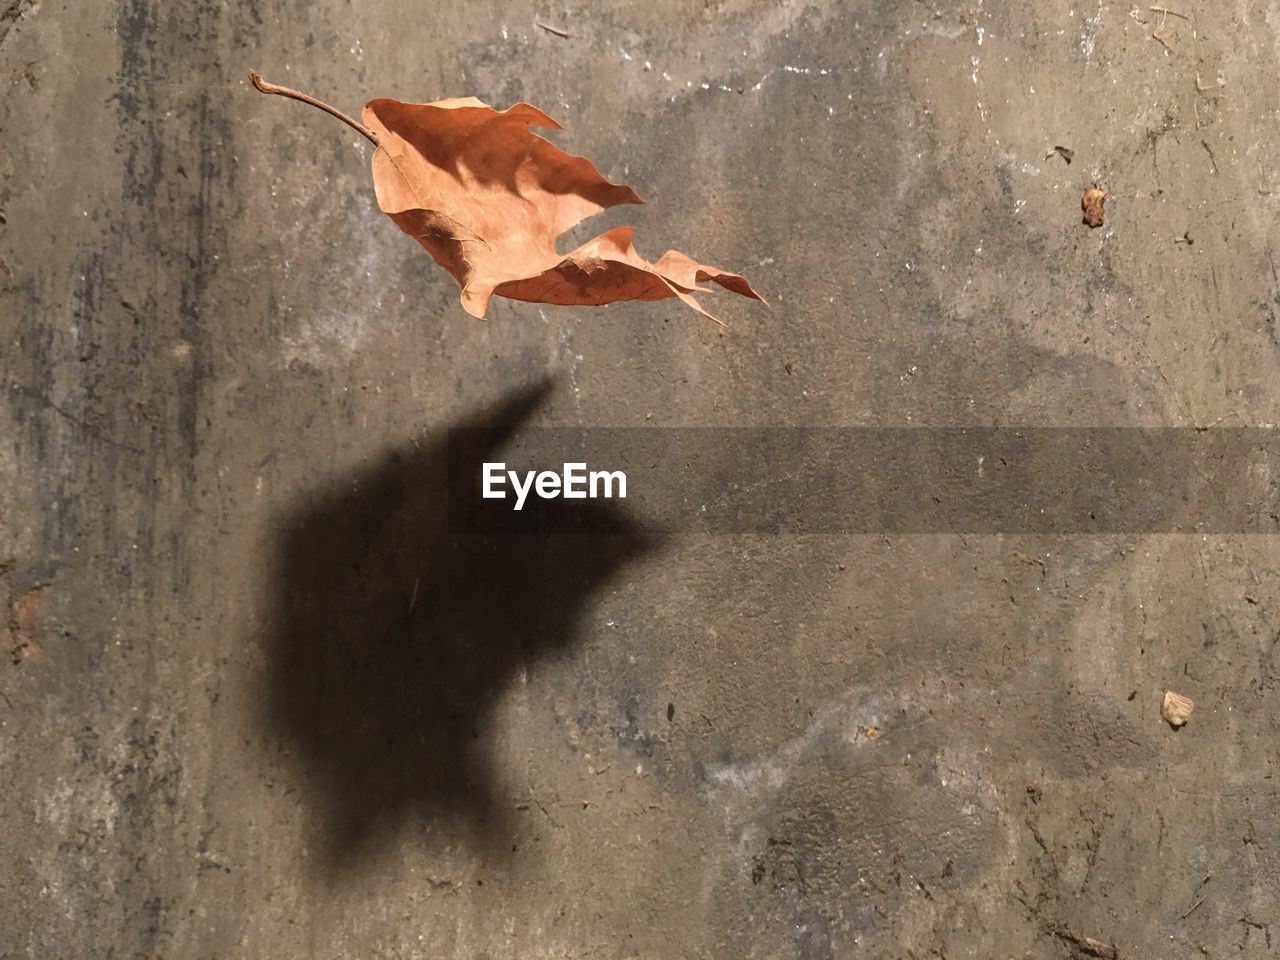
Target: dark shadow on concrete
[{"x": 393, "y": 637}]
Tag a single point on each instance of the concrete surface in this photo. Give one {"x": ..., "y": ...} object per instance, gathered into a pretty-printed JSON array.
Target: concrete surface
[{"x": 257, "y": 702}]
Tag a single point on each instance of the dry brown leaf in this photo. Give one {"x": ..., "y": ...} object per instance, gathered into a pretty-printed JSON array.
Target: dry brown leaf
[
  {"x": 1092, "y": 204},
  {"x": 1176, "y": 709},
  {"x": 487, "y": 198}
]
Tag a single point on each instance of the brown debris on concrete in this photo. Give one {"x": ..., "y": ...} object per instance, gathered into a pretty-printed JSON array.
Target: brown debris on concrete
[
  {"x": 1092, "y": 204},
  {"x": 1085, "y": 946},
  {"x": 1176, "y": 709}
]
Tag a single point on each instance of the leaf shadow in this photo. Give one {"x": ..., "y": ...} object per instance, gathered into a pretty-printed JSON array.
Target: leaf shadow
[{"x": 393, "y": 638}]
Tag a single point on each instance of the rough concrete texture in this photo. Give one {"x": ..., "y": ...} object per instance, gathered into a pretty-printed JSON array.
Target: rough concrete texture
[{"x": 257, "y": 702}]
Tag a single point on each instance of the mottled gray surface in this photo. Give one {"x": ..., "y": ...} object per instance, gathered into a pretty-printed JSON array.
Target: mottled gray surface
[{"x": 259, "y": 703}]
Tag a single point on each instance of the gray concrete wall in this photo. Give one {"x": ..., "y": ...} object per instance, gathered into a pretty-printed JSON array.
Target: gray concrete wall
[{"x": 224, "y": 733}]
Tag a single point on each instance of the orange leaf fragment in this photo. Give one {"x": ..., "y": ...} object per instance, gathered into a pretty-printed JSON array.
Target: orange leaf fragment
[
  {"x": 487, "y": 199},
  {"x": 1092, "y": 204}
]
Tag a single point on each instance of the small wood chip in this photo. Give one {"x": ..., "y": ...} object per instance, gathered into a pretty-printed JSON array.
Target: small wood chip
[
  {"x": 1094, "y": 197},
  {"x": 1176, "y": 709},
  {"x": 1085, "y": 945},
  {"x": 558, "y": 31}
]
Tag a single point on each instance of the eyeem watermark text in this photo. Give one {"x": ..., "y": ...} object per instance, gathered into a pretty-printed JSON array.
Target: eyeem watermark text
[{"x": 573, "y": 482}]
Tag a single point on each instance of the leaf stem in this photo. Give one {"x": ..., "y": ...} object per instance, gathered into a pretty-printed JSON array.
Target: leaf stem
[{"x": 265, "y": 87}]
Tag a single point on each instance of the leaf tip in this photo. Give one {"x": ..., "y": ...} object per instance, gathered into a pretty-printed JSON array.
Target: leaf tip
[{"x": 476, "y": 301}]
